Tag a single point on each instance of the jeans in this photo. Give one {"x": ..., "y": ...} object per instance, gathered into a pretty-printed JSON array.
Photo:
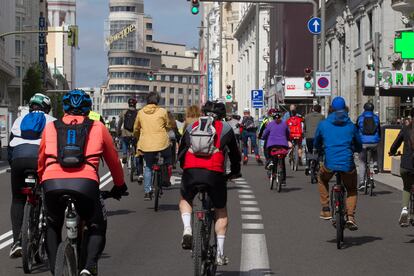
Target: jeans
[
  {"x": 245, "y": 137},
  {"x": 150, "y": 159},
  {"x": 350, "y": 182},
  {"x": 363, "y": 159},
  {"x": 125, "y": 141}
]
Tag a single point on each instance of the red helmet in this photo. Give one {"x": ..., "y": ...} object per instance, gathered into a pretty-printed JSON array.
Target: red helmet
[
  {"x": 271, "y": 112},
  {"x": 132, "y": 102}
]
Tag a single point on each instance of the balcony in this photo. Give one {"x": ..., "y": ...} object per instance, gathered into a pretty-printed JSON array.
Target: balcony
[{"x": 404, "y": 6}]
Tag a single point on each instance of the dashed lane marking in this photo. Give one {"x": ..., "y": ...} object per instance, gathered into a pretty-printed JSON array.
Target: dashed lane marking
[
  {"x": 248, "y": 202},
  {"x": 247, "y": 196},
  {"x": 251, "y": 217},
  {"x": 250, "y": 209},
  {"x": 252, "y": 226},
  {"x": 242, "y": 191}
]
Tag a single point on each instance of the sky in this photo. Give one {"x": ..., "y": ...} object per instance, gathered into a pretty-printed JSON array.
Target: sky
[{"x": 172, "y": 22}]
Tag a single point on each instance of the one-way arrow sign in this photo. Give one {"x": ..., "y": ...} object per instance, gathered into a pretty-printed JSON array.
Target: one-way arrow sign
[{"x": 314, "y": 25}]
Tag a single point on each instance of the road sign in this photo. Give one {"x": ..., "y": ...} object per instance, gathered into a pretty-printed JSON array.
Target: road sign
[
  {"x": 323, "y": 84},
  {"x": 257, "y": 99},
  {"x": 315, "y": 25},
  {"x": 404, "y": 45}
]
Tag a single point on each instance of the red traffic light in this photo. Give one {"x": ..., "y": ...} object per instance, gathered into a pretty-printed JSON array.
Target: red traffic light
[
  {"x": 228, "y": 86},
  {"x": 195, "y": 3},
  {"x": 308, "y": 70}
]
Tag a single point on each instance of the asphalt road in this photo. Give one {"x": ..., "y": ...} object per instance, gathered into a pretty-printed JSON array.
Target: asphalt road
[{"x": 269, "y": 234}]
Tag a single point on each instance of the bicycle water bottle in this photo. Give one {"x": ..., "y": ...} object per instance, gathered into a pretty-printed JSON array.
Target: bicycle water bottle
[{"x": 72, "y": 225}]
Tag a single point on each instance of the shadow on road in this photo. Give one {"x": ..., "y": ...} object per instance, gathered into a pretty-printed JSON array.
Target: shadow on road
[
  {"x": 376, "y": 193},
  {"x": 261, "y": 272},
  {"x": 166, "y": 207},
  {"x": 38, "y": 269},
  {"x": 119, "y": 213},
  {"x": 357, "y": 241},
  {"x": 293, "y": 189}
]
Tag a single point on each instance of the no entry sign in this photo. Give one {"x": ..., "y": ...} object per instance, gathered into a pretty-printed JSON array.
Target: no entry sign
[{"x": 323, "y": 84}]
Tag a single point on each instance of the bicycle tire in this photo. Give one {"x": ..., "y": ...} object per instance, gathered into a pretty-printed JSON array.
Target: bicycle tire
[
  {"x": 271, "y": 180},
  {"x": 156, "y": 189},
  {"x": 279, "y": 176},
  {"x": 340, "y": 223},
  {"x": 40, "y": 254},
  {"x": 131, "y": 168},
  {"x": 65, "y": 260},
  {"x": 296, "y": 159},
  {"x": 28, "y": 234},
  {"x": 371, "y": 188},
  {"x": 366, "y": 181},
  {"x": 198, "y": 244}
]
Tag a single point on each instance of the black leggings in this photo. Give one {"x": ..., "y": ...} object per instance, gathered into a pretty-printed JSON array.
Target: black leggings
[
  {"x": 90, "y": 208},
  {"x": 18, "y": 167}
]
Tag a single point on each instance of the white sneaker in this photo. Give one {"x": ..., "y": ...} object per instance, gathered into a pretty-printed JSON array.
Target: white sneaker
[
  {"x": 222, "y": 260},
  {"x": 404, "y": 217},
  {"x": 85, "y": 272},
  {"x": 140, "y": 178},
  {"x": 187, "y": 242}
]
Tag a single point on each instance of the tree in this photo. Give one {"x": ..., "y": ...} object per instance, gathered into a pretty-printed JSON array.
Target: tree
[{"x": 32, "y": 82}]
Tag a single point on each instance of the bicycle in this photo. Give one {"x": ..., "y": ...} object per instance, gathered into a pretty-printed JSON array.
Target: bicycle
[
  {"x": 337, "y": 197},
  {"x": 277, "y": 156},
  {"x": 71, "y": 253},
  {"x": 33, "y": 230},
  {"x": 204, "y": 244},
  {"x": 294, "y": 155},
  {"x": 313, "y": 166},
  {"x": 131, "y": 159},
  {"x": 369, "y": 183},
  {"x": 159, "y": 178}
]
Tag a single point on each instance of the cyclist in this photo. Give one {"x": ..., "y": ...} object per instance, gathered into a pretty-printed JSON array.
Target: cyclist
[
  {"x": 406, "y": 167},
  {"x": 295, "y": 125},
  {"x": 249, "y": 132},
  {"x": 112, "y": 127},
  {"x": 271, "y": 113},
  {"x": 368, "y": 125},
  {"x": 95, "y": 116},
  {"x": 23, "y": 151},
  {"x": 312, "y": 121},
  {"x": 339, "y": 139},
  {"x": 208, "y": 170},
  {"x": 68, "y": 164},
  {"x": 151, "y": 130},
  {"x": 276, "y": 135},
  {"x": 287, "y": 115}
]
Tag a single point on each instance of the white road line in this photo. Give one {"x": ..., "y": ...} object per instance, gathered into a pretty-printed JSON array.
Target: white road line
[
  {"x": 241, "y": 182},
  {"x": 252, "y": 226},
  {"x": 248, "y": 202},
  {"x": 4, "y": 171},
  {"x": 254, "y": 258},
  {"x": 6, "y": 243},
  {"x": 250, "y": 209},
  {"x": 251, "y": 217},
  {"x": 105, "y": 176},
  {"x": 245, "y": 191},
  {"x": 243, "y": 186},
  {"x": 6, "y": 235},
  {"x": 247, "y": 196}
]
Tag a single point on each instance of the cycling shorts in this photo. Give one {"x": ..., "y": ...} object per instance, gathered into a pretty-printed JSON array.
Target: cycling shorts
[{"x": 216, "y": 186}]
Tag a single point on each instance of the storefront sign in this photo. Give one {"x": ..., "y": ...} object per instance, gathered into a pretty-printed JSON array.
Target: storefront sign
[
  {"x": 391, "y": 83},
  {"x": 295, "y": 88},
  {"x": 122, "y": 34}
]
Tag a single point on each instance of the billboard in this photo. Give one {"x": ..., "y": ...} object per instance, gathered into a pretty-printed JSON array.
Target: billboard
[{"x": 295, "y": 88}]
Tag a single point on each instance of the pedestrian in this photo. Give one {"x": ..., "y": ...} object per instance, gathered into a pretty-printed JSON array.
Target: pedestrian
[
  {"x": 311, "y": 123},
  {"x": 249, "y": 132}
]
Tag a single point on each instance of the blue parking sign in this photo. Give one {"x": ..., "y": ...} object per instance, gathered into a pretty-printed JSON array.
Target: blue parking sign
[{"x": 257, "y": 98}]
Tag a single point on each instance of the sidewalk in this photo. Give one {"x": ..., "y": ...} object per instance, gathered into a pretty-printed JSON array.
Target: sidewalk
[{"x": 389, "y": 180}]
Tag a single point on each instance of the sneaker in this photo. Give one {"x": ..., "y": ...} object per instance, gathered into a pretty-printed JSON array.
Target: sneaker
[
  {"x": 361, "y": 187},
  {"x": 187, "y": 241},
  {"x": 269, "y": 166},
  {"x": 326, "y": 213},
  {"x": 16, "y": 250},
  {"x": 222, "y": 260},
  {"x": 351, "y": 224},
  {"x": 140, "y": 178},
  {"x": 376, "y": 170},
  {"x": 258, "y": 160},
  {"x": 403, "y": 221},
  {"x": 245, "y": 159},
  {"x": 85, "y": 272},
  {"x": 307, "y": 171},
  {"x": 124, "y": 160},
  {"x": 147, "y": 197}
]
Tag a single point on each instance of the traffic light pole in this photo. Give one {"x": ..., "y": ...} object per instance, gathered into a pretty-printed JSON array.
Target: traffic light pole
[{"x": 31, "y": 32}]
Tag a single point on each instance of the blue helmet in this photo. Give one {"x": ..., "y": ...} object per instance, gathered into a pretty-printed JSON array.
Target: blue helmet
[{"x": 77, "y": 102}]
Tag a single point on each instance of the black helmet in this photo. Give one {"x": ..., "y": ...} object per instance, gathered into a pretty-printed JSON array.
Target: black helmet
[
  {"x": 219, "y": 109},
  {"x": 369, "y": 106},
  {"x": 132, "y": 102}
]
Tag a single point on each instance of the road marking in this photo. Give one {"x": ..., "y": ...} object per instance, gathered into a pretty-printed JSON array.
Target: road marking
[
  {"x": 251, "y": 217},
  {"x": 254, "y": 258},
  {"x": 245, "y": 191},
  {"x": 247, "y": 196},
  {"x": 4, "y": 171},
  {"x": 252, "y": 226},
  {"x": 248, "y": 202},
  {"x": 250, "y": 209},
  {"x": 6, "y": 243},
  {"x": 6, "y": 235},
  {"x": 243, "y": 186}
]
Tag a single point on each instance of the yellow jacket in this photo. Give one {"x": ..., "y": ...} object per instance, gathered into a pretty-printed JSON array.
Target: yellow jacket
[{"x": 151, "y": 128}]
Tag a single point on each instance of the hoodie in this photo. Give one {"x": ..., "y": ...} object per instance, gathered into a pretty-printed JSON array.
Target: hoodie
[
  {"x": 338, "y": 137},
  {"x": 151, "y": 127}
]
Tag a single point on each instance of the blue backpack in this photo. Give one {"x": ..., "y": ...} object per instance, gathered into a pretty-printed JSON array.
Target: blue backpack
[{"x": 32, "y": 126}]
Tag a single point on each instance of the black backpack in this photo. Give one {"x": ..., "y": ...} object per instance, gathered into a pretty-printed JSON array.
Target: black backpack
[
  {"x": 369, "y": 127},
  {"x": 71, "y": 143},
  {"x": 129, "y": 120}
]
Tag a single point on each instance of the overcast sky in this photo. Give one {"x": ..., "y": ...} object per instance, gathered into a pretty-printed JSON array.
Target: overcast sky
[{"x": 172, "y": 22}]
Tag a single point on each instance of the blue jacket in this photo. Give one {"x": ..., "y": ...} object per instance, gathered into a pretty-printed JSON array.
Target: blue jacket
[
  {"x": 369, "y": 139},
  {"x": 339, "y": 139}
]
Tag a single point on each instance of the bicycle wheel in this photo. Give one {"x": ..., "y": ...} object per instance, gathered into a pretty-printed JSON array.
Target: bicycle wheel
[
  {"x": 65, "y": 260},
  {"x": 131, "y": 167},
  {"x": 156, "y": 190},
  {"x": 28, "y": 237},
  {"x": 340, "y": 222},
  {"x": 279, "y": 177},
  {"x": 296, "y": 158},
  {"x": 40, "y": 254},
  {"x": 198, "y": 247},
  {"x": 371, "y": 187},
  {"x": 366, "y": 181}
]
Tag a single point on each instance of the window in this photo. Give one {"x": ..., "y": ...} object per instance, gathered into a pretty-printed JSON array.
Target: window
[
  {"x": 370, "y": 29},
  {"x": 148, "y": 26},
  {"x": 163, "y": 90},
  {"x": 128, "y": 75},
  {"x": 150, "y": 50},
  {"x": 122, "y": 9},
  {"x": 128, "y": 87},
  {"x": 127, "y": 43},
  {"x": 172, "y": 89},
  {"x": 167, "y": 78},
  {"x": 162, "y": 77},
  {"x": 129, "y": 61},
  {"x": 180, "y": 91},
  {"x": 358, "y": 25},
  {"x": 155, "y": 89},
  {"x": 18, "y": 71},
  {"x": 172, "y": 102},
  {"x": 162, "y": 102},
  {"x": 180, "y": 102},
  {"x": 17, "y": 47},
  {"x": 149, "y": 37}
]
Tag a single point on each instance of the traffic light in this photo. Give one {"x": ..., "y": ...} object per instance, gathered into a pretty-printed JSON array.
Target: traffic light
[
  {"x": 308, "y": 78},
  {"x": 195, "y": 6},
  {"x": 151, "y": 76},
  {"x": 73, "y": 36},
  {"x": 229, "y": 96}
]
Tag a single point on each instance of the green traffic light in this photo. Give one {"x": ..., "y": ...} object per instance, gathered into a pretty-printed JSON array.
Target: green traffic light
[
  {"x": 195, "y": 10},
  {"x": 308, "y": 85},
  {"x": 228, "y": 97}
]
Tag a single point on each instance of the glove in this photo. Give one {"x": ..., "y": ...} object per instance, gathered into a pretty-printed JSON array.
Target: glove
[{"x": 118, "y": 191}]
